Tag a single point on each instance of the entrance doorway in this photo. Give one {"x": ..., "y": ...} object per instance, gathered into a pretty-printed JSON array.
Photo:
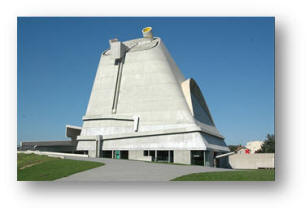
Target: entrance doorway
[
  {"x": 116, "y": 154},
  {"x": 123, "y": 154},
  {"x": 106, "y": 153},
  {"x": 120, "y": 154},
  {"x": 162, "y": 156},
  {"x": 197, "y": 157}
]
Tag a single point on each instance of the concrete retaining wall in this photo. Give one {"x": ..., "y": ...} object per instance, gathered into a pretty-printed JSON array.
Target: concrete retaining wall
[{"x": 252, "y": 161}]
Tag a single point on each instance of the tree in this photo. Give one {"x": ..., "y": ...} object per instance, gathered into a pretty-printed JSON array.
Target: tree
[
  {"x": 269, "y": 145},
  {"x": 234, "y": 148}
]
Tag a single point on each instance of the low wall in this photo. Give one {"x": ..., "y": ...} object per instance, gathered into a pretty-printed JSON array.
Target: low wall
[
  {"x": 53, "y": 154},
  {"x": 252, "y": 161}
]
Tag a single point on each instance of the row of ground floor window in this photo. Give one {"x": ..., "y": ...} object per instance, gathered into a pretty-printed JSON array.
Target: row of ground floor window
[{"x": 194, "y": 157}]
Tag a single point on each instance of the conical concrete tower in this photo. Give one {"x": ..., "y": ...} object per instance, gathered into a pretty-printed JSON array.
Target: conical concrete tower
[{"x": 141, "y": 107}]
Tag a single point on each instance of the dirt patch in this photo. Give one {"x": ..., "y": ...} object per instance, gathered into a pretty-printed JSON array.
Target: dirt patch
[{"x": 32, "y": 164}]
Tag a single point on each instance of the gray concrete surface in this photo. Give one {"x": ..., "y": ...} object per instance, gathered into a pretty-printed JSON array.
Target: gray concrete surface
[
  {"x": 128, "y": 170},
  {"x": 252, "y": 161}
]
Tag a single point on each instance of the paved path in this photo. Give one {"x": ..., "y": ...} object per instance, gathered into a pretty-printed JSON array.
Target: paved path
[{"x": 129, "y": 170}]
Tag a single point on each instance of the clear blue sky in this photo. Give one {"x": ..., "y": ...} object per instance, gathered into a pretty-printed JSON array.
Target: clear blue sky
[{"x": 232, "y": 60}]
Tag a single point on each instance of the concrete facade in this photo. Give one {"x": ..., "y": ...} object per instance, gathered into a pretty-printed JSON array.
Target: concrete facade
[
  {"x": 138, "y": 155},
  {"x": 182, "y": 156},
  {"x": 141, "y": 101}
]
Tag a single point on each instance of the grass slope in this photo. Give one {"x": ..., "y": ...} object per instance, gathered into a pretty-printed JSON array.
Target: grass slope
[
  {"x": 242, "y": 175},
  {"x": 31, "y": 167}
]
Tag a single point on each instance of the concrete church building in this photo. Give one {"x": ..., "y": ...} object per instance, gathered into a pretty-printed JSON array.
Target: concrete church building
[{"x": 142, "y": 108}]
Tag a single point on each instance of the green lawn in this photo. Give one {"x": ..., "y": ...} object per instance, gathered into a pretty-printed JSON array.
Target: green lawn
[
  {"x": 235, "y": 175},
  {"x": 31, "y": 167}
]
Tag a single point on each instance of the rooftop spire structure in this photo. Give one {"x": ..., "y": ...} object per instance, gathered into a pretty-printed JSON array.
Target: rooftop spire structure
[{"x": 141, "y": 107}]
